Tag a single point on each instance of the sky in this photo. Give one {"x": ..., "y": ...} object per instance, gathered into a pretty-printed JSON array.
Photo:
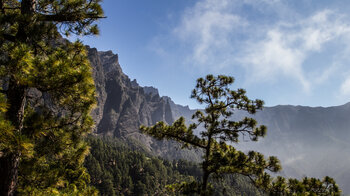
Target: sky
[{"x": 281, "y": 51}]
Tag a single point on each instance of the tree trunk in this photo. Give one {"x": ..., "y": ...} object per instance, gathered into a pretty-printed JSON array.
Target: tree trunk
[
  {"x": 205, "y": 183},
  {"x": 9, "y": 159},
  {"x": 28, "y": 7},
  {"x": 206, "y": 172},
  {"x": 2, "y": 6},
  {"x": 16, "y": 98},
  {"x": 8, "y": 174}
]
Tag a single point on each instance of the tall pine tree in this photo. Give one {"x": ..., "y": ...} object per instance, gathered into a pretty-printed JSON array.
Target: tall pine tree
[
  {"x": 48, "y": 91},
  {"x": 219, "y": 157},
  {"x": 216, "y": 130}
]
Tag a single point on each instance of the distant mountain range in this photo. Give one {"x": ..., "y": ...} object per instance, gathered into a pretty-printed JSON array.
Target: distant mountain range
[{"x": 310, "y": 141}]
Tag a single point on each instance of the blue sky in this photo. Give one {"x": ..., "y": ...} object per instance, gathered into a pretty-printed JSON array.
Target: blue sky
[{"x": 284, "y": 52}]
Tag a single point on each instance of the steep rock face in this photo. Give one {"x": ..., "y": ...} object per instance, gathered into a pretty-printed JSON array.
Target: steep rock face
[
  {"x": 99, "y": 77},
  {"x": 150, "y": 90},
  {"x": 123, "y": 105}
]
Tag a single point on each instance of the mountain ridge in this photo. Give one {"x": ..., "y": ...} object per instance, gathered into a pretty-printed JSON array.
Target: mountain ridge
[
  {"x": 123, "y": 106},
  {"x": 306, "y": 139}
]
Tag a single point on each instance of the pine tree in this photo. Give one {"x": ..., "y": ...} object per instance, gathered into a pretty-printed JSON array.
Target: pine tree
[
  {"x": 219, "y": 157},
  {"x": 49, "y": 92},
  {"x": 307, "y": 186}
]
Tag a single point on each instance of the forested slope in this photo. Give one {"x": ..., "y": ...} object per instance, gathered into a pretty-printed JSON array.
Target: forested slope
[{"x": 120, "y": 168}]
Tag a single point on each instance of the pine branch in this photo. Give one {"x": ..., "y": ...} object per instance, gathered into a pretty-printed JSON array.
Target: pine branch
[
  {"x": 8, "y": 37},
  {"x": 68, "y": 18},
  {"x": 184, "y": 140},
  {"x": 11, "y": 8}
]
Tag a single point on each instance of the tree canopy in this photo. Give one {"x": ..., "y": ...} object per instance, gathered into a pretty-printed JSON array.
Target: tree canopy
[
  {"x": 119, "y": 167},
  {"x": 48, "y": 93},
  {"x": 216, "y": 130}
]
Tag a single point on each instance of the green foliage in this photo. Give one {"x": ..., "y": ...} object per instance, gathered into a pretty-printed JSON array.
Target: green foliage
[
  {"x": 116, "y": 169},
  {"x": 6, "y": 130},
  {"x": 56, "y": 166},
  {"x": 48, "y": 97},
  {"x": 120, "y": 168},
  {"x": 50, "y": 141},
  {"x": 220, "y": 158},
  {"x": 29, "y": 20},
  {"x": 307, "y": 186}
]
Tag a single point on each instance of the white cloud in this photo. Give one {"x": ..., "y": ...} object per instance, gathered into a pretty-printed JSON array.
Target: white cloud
[
  {"x": 272, "y": 57},
  {"x": 208, "y": 27},
  {"x": 266, "y": 39},
  {"x": 286, "y": 47},
  {"x": 345, "y": 88},
  {"x": 293, "y": 159},
  {"x": 322, "y": 27},
  {"x": 325, "y": 74}
]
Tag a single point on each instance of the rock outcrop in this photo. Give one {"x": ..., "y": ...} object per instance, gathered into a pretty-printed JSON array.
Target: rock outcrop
[{"x": 123, "y": 105}]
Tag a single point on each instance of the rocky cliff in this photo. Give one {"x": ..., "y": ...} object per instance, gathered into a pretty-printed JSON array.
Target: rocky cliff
[{"x": 123, "y": 105}]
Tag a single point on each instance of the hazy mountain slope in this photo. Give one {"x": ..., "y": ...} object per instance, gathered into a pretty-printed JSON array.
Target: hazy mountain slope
[{"x": 310, "y": 141}]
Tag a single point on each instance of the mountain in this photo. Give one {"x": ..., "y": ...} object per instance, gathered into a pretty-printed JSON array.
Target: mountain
[
  {"x": 309, "y": 141},
  {"x": 123, "y": 105}
]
